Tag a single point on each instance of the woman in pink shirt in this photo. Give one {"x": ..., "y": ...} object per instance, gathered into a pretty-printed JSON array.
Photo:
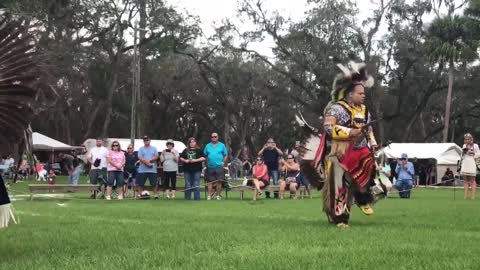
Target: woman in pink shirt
[
  {"x": 260, "y": 177},
  {"x": 116, "y": 162}
]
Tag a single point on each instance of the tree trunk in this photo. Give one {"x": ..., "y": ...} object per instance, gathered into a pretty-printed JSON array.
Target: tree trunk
[
  {"x": 448, "y": 102},
  {"x": 226, "y": 129},
  {"x": 142, "y": 116},
  {"x": 108, "y": 113},
  {"x": 91, "y": 120}
]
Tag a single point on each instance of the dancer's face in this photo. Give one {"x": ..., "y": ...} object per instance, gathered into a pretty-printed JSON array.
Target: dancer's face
[{"x": 357, "y": 96}]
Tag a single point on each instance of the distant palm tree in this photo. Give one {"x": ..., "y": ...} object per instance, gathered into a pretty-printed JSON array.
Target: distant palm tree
[{"x": 450, "y": 39}]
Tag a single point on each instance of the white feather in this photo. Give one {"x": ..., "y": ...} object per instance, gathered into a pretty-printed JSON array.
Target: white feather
[
  {"x": 345, "y": 70},
  {"x": 369, "y": 82},
  {"x": 356, "y": 67}
]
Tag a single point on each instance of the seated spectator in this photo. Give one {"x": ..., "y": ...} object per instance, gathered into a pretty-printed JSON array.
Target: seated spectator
[
  {"x": 247, "y": 167},
  {"x": 261, "y": 178},
  {"x": 292, "y": 172},
  {"x": 447, "y": 178},
  {"x": 41, "y": 172},
  {"x": 51, "y": 177},
  {"x": 405, "y": 174}
]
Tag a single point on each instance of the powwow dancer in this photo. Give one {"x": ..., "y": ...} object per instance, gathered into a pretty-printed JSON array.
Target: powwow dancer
[
  {"x": 340, "y": 160},
  {"x": 17, "y": 94},
  {"x": 350, "y": 163}
]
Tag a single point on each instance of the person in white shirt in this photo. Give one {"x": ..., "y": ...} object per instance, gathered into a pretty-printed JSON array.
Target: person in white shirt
[
  {"x": 468, "y": 170},
  {"x": 98, "y": 160},
  {"x": 169, "y": 157}
]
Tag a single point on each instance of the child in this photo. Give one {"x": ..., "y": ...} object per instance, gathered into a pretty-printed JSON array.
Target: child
[{"x": 51, "y": 177}]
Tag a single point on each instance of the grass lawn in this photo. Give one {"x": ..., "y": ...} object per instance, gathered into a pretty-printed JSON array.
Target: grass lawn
[{"x": 429, "y": 231}]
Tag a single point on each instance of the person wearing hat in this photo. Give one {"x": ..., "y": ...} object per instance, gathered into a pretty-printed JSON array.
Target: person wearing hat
[
  {"x": 148, "y": 156},
  {"x": 405, "y": 174},
  {"x": 169, "y": 158}
]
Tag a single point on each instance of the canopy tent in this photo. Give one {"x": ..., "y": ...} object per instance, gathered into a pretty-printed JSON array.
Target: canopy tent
[
  {"x": 159, "y": 144},
  {"x": 446, "y": 155},
  {"x": 44, "y": 143}
]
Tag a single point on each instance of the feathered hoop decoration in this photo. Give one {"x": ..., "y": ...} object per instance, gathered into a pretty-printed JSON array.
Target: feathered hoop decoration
[{"x": 354, "y": 73}]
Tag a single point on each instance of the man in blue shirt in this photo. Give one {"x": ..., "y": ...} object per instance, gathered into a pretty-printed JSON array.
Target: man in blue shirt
[
  {"x": 216, "y": 154},
  {"x": 148, "y": 156},
  {"x": 405, "y": 174}
]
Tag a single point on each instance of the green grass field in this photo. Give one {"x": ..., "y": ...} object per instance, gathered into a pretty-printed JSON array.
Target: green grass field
[{"x": 429, "y": 231}]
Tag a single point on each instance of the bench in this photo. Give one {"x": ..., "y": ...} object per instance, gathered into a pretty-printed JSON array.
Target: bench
[
  {"x": 270, "y": 188},
  {"x": 179, "y": 189},
  {"x": 63, "y": 188}
]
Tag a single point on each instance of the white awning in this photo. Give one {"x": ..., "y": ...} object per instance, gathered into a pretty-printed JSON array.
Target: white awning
[
  {"x": 42, "y": 142},
  {"x": 443, "y": 153}
]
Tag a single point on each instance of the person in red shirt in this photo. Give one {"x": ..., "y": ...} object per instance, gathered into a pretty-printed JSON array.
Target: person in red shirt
[{"x": 260, "y": 177}]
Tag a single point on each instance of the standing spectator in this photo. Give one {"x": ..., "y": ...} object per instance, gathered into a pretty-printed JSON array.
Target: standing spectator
[
  {"x": 271, "y": 155},
  {"x": 67, "y": 161},
  {"x": 292, "y": 173},
  {"x": 192, "y": 158},
  {"x": 405, "y": 173},
  {"x": 169, "y": 158},
  {"x": 98, "y": 159},
  {"x": 116, "y": 162},
  {"x": 130, "y": 171},
  {"x": 260, "y": 177},
  {"x": 216, "y": 154},
  {"x": 469, "y": 166},
  {"x": 148, "y": 156},
  {"x": 77, "y": 170}
]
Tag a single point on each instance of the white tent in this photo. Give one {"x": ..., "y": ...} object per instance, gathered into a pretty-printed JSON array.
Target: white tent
[
  {"x": 44, "y": 143},
  {"x": 446, "y": 155},
  {"x": 159, "y": 144}
]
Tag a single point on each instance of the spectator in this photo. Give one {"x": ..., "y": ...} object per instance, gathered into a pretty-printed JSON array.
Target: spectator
[
  {"x": 41, "y": 172},
  {"x": 77, "y": 170},
  {"x": 292, "y": 172},
  {"x": 169, "y": 158},
  {"x": 148, "y": 156},
  {"x": 447, "y": 178},
  {"x": 130, "y": 171},
  {"x": 116, "y": 162},
  {"x": 235, "y": 168},
  {"x": 246, "y": 155},
  {"x": 98, "y": 160},
  {"x": 271, "y": 154},
  {"x": 51, "y": 177},
  {"x": 67, "y": 161},
  {"x": 247, "y": 167},
  {"x": 216, "y": 154},
  {"x": 405, "y": 173},
  {"x": 469, "y": 167},
  {"x": 260, "y": 177},
  {"x": 10, "y": 162},
  {"x": 192, "y": 158},
  {"x": 385, "y": 172}
]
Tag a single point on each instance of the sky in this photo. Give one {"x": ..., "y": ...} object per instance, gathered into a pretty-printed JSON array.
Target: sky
[{"x": 211, "y": 13}]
